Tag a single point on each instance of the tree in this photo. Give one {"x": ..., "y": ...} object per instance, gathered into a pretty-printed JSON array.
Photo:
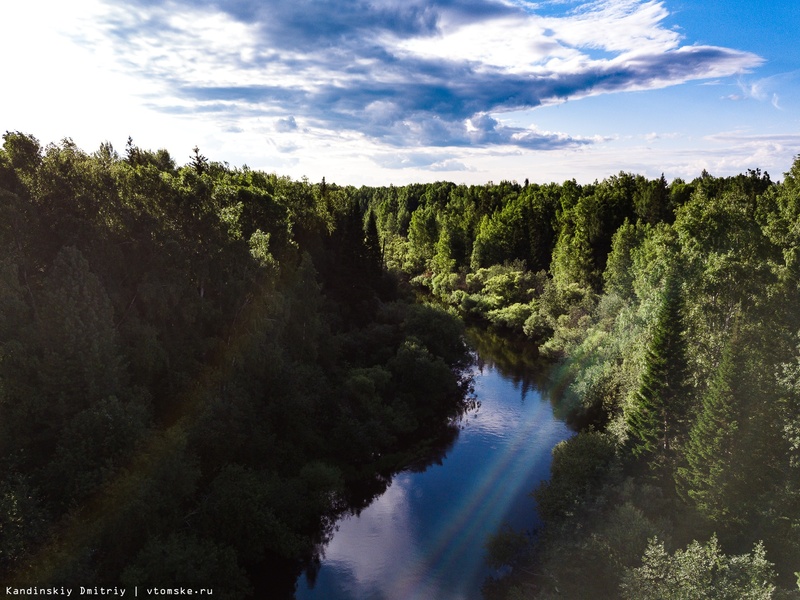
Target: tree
[
  {"x": 372, "y": 253},
  {"x": 573, "y": 261},
  {"x": 303, "y": 320},
  {"x": 238, "y": 512},
  {"x": 700, "y": 571},
  {"x": 659, "y": 409},
  {"x": 80, "y": 360},
  {"x": 161, "y": 325},
  {"x": 709, "y": 453},
  {"x": 651, "y": 201},
  {"x": 199, "y": 162},
  {"x": 587, "y": 231},
  {"x": 93, "y": 446},
  {"x": 618, "y": 276},
  {"x": 73, "y": 355},
  {"x": 423, "y": 233},
  {"x": 726, "y": 261},
  {"x": 23, "y": 520},
  {"x": 581, "y": 465},
  {"x": 24, "y": 154},
  {"x": 185, "y": 560}
]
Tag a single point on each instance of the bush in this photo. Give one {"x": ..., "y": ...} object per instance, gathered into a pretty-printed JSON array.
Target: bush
[{"x": 581, "y": 465}]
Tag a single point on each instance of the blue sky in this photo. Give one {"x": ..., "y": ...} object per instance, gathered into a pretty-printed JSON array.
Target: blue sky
[{"x": 397, "y": 91}]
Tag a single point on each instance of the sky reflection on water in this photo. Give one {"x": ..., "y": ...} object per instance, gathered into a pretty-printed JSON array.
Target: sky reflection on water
[{"x": 424, "y": 537}]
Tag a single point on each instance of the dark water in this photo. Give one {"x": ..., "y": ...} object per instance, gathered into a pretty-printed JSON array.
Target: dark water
[{"x": 424, "y": 537}]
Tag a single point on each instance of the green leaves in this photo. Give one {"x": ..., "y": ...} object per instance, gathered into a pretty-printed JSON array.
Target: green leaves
[
  {"x": 183, "y": 559},
  {"x": 581, "y": 465},
  {"x": 188, "y": 358},
  {"x": 700, "y": 571},
  {"x": 80, "y": 361}
]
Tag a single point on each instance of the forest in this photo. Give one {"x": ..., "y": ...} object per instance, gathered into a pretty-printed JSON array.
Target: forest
[{"x": 199, "y": 364}]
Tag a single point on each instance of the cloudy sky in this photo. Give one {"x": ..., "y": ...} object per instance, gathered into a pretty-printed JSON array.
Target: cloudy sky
[{"x": 397, "y": 91}]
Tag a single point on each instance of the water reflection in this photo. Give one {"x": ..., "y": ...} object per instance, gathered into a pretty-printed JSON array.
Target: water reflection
[
  {"x": 424, "y": 537},
  {"x": 519, "y": 361}
]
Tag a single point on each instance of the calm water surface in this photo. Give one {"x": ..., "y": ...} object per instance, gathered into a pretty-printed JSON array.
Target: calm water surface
[{"x": 424, "y": 537}]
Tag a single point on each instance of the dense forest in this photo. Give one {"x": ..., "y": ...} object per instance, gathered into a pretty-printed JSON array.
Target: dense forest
[{"x": 199, "y": 364}]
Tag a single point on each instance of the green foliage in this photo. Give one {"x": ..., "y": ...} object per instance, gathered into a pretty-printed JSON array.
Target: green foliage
[
  {"x": 184, "y": 560},
  {"x": 658, "y": 415},
  {"x": 14, "y": 311},
  {"x": 440, "y": 332},
  {"x": 572, "y": 259},
  {"x": 522, "y": 230},
  {"x": 586, "y": 554},
  {"x": 187, "y": 355},
  {"x": 423, "y": 233},
  {"x": 304, "y": 324},
  {"x": 700, "y": 571},
  {"x": 422, "y": 380},
  {"x": 259, "y": 249},
  {"x": 618, "y": 276},
  {"x": 23, "y": 520},
  {"x": 710, "y": 451},
  {"x": 506, "y": 547},
  {"x": 586, "y": 236},
  {"x": 789, "y": 378},
  {"x": 567, "y": 312},
  {"x": 23, "y": 151},
  {"x": 726, "y": 260},
  {"x": 79, "y": 360},
  {"x": 648, "y": 361},
  {"x": 513, "y": 317},
  {"x": 205, "y": 358},
  {"x": 597, "y": 560},
  {"x": 652, "y": 201},
  {"x": 94, "y": 444},
  {"x": 580, "y": 466}
]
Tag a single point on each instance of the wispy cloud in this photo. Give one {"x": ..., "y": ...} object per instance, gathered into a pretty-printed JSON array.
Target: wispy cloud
[
  {"x": 405, "y": 73},
  {"x": 735, "y": 151},
  {"x": 764, "y": 89},
  {"x": 779, "y": 140},
  {"x": 654, "y": 135},
  {"x": 420, "y": 160}
]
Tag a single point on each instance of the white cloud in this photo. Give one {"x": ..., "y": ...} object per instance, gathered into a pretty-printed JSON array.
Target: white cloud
[
  {"x": 627, "y": 27},
  {"x": 420, "y": 69},
  {"x": 336, "y": 89},
  {"x": 285, "y": 125},
  {"x": 765, "y": 89}
]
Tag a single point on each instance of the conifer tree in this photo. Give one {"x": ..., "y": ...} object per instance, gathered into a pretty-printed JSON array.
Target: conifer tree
[
  {"x": 707, "y": 474},
  {"x": 660, "y": 406},
  {"x": 373, "y": 254},
  {"x": 303, "y": 321}
]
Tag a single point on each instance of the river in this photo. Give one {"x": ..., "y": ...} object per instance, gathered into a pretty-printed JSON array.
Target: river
[{"x": 424, "y": 537}]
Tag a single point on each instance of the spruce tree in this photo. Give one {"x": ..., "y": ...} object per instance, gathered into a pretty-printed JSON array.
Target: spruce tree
[
  {"x": 660, "y": 406},
  {"x": 373, "y": 253},
  {"x": 706, "y": 475}
]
